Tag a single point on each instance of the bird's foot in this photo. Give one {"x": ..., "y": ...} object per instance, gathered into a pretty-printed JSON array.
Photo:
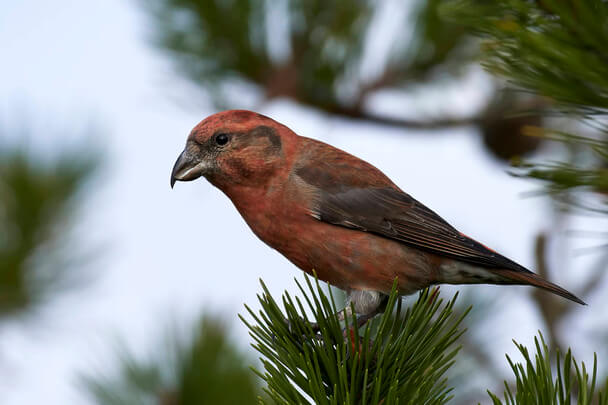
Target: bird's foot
[{"x": 356, "y": 342}]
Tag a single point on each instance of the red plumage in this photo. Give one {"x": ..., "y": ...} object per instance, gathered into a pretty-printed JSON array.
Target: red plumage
[{"x": 331, "y": 212}]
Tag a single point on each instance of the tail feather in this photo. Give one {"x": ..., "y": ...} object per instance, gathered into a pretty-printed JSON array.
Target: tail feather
[
  {"x": 455, "y": 272},
  {"x": 529, "y": 278}
]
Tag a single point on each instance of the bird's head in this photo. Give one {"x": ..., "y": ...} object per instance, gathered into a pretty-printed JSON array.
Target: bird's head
[{"x": 233, "y": 147}]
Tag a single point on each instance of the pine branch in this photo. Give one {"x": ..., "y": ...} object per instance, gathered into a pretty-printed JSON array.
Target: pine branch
[
  {"x": 400, "y": 357},
  {"x": 571, "y": 181},
  {"x": 536, "y": 383},
  {"x": 556, "y": 50},
  {"x": 214, "y": 42},
  {"x": 35, "y": 229}
]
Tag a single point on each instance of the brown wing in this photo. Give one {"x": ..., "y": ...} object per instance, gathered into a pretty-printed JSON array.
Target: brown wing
[
  {"x": 394, "y": 214},
  {"x": 352, "y": 193},
  {"x": 355, "y": 194}
]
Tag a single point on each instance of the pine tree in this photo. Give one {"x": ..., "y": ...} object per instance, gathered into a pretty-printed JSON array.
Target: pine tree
[
  {"x": 554, "y": 51},
  {"x": 203, "y": 368}
]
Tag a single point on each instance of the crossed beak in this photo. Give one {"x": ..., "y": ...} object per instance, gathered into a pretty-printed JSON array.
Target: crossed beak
[{"x": 187, "y": 168}]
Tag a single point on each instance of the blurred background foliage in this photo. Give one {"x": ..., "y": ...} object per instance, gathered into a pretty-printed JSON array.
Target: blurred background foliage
[
  {"x": 548, "y": 84},
  {"x": 557, "y": 50},
  {"x": 38, "y": 205},
  {"x": 203, "y": 368},
  {"x": 326, "y": 55}
]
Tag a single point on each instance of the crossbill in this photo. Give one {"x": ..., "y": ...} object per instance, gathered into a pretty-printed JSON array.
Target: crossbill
[{"x": 332, "y": 213}]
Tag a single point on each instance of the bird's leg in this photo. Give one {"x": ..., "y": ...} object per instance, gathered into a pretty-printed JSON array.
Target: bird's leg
[{"x": 366, "y": 303}]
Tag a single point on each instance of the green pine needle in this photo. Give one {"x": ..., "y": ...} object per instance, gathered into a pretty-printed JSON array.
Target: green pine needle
[
  {"x": 399, "y": 357},
  {"x": 204, "y": 367},
  {"x": 536, "y": 385},
  {"x": 556, "y": 49},
  {"x": 38, "y": 198}
]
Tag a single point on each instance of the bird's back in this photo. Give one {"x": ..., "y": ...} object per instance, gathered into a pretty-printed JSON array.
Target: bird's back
[{"x": 347, "y": 192}]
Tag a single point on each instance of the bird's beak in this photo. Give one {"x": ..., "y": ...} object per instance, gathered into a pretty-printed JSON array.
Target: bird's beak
[{"x": 187, "y": 168}]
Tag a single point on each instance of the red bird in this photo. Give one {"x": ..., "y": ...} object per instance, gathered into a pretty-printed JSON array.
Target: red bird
[{"x": 331, "y": 212}]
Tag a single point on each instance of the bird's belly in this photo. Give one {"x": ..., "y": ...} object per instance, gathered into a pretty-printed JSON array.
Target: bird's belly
[{"x": 351, "y": 259}]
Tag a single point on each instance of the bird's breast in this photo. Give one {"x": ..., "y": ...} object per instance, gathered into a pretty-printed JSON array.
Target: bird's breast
[{"x": 343, "y": 257}]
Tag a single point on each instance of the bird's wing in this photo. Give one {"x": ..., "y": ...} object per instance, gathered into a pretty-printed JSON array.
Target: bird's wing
[
  {"x": 349, "y": 192},
  {"x": 353, "y": 193},
  {"x": 394, "y": 214}
]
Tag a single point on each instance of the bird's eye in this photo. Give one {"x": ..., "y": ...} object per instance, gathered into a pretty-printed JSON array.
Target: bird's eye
[{"x": 221, "y": 139}]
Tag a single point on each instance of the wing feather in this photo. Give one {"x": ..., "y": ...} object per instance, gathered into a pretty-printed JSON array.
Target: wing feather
[
  {"x": 352, "y": 193},
  {"x": 391, "y": 213}
]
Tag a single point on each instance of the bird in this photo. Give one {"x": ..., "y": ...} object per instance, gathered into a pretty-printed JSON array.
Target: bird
[{"x": 337, "y": 216}]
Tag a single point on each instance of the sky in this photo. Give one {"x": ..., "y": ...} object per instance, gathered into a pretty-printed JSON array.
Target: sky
[{"x": 71, "y": 65}]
